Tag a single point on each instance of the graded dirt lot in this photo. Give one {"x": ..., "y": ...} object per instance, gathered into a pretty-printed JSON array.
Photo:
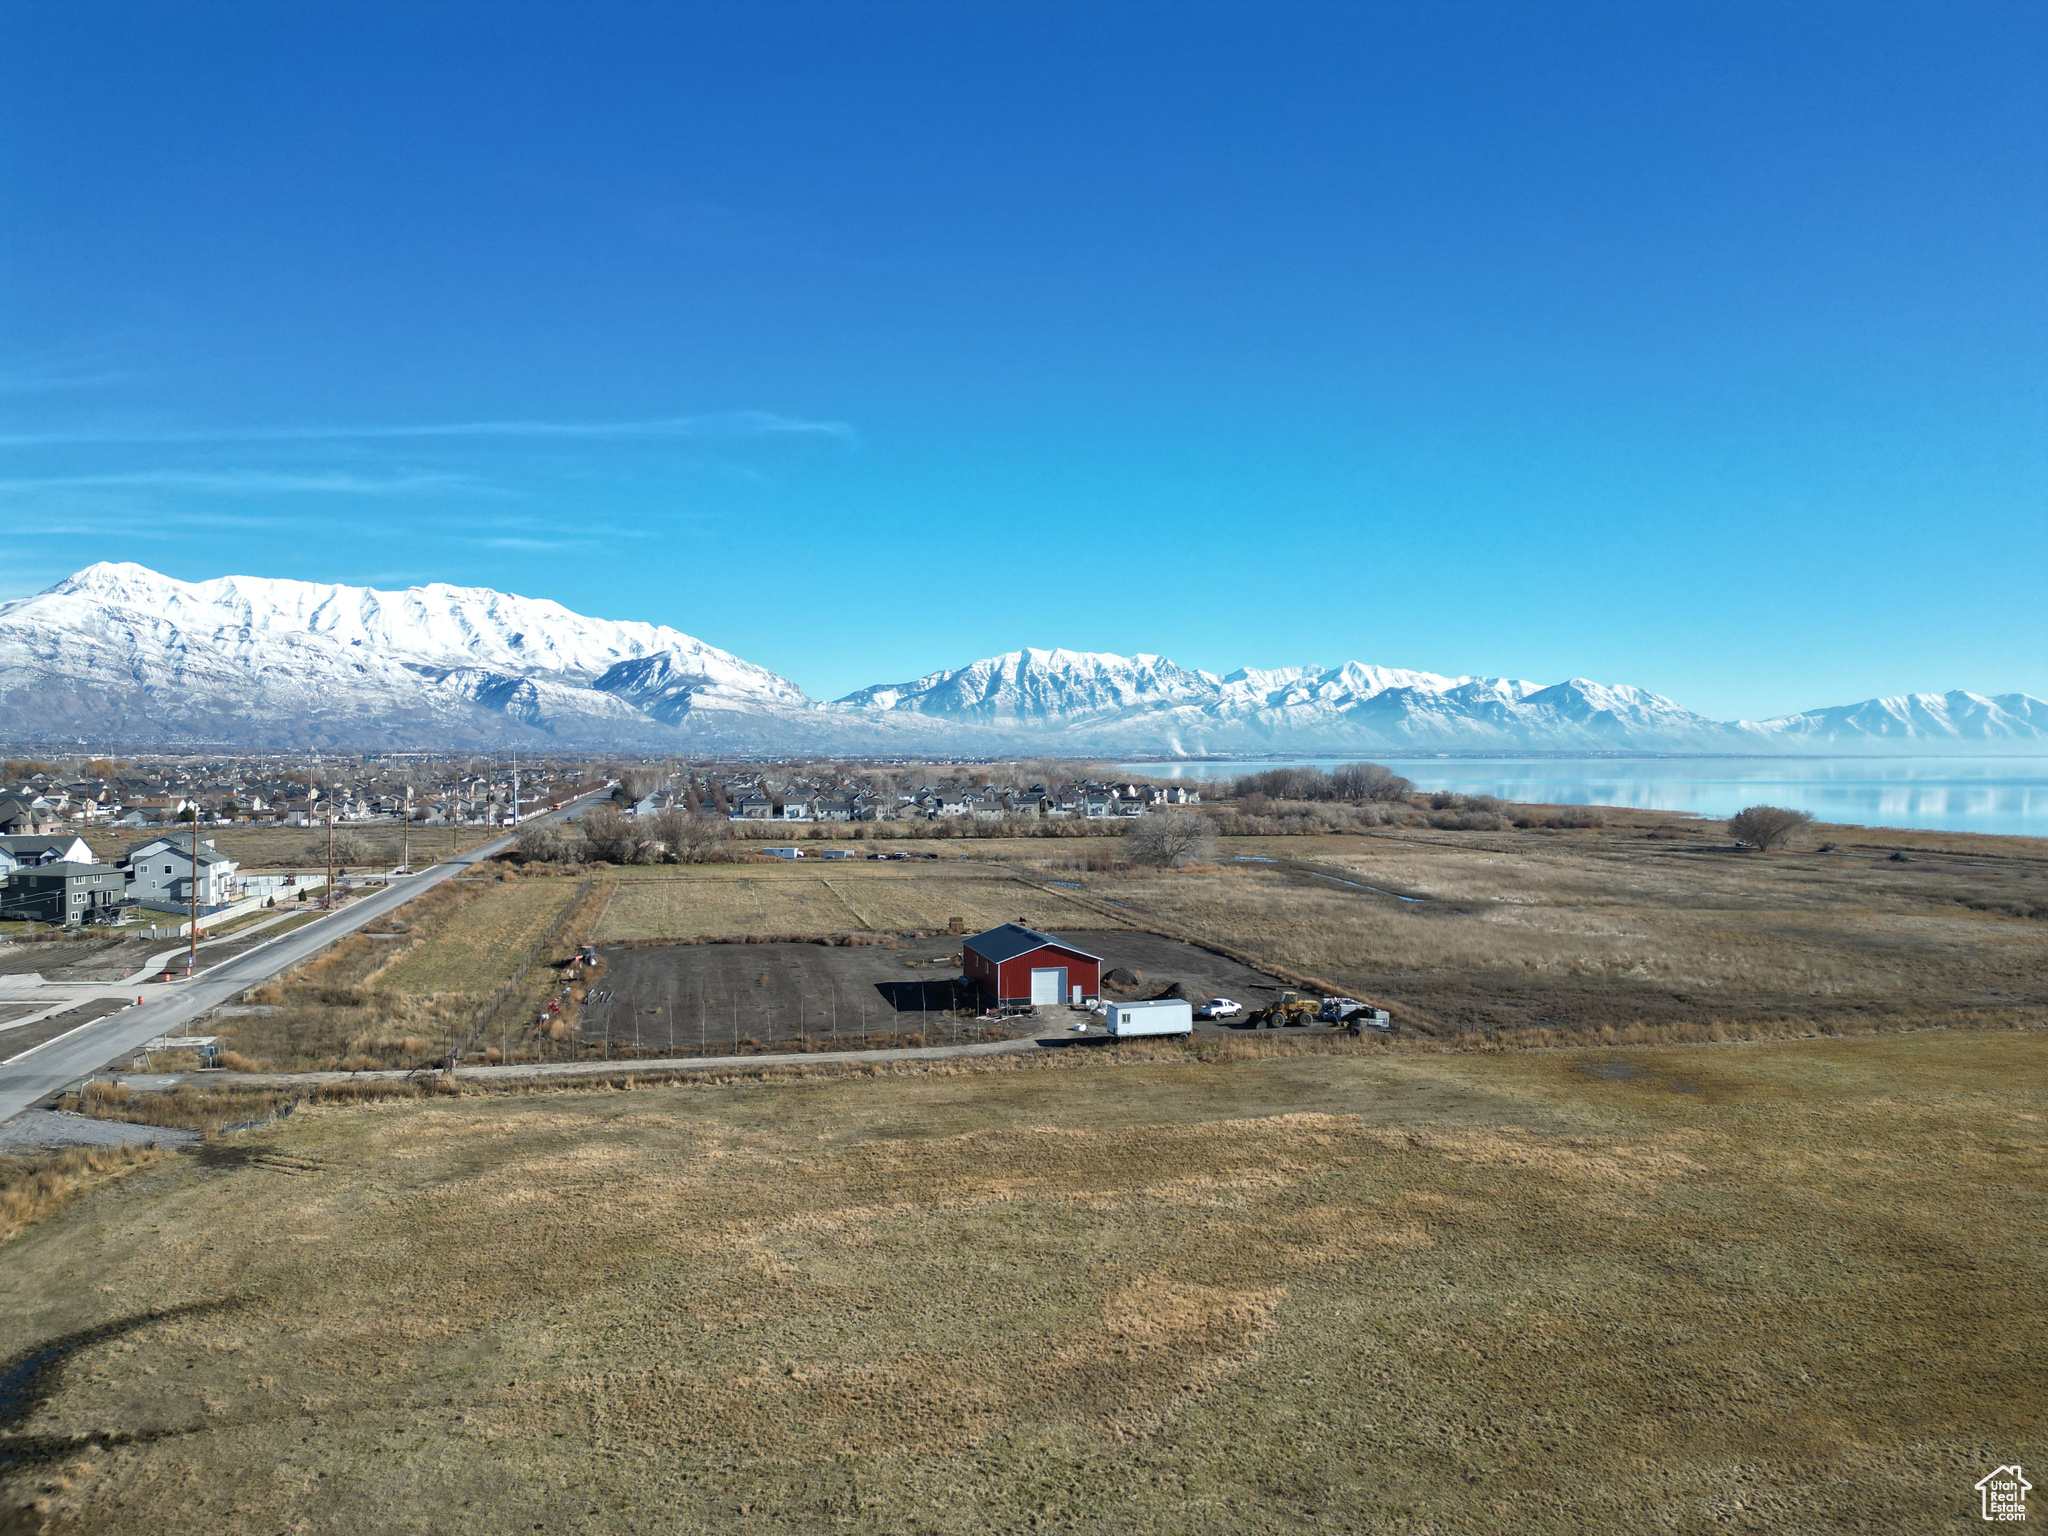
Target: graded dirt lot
[
  {"x": 1789, "y": 1285},
  {"x": 696, "y": 997}
]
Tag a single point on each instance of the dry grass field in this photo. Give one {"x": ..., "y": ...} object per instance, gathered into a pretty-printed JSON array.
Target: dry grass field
[
  {"x": 404, "y": 992},
  {"x": 1777, "y": 1286},
  {"x": 1615, "y": 929},
  {"x": 479, "y": 947},
  {"x": 732, "y": 901}
]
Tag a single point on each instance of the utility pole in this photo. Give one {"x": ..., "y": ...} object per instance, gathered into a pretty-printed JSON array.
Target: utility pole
[
  {"x": 405, "y": 830},
  {"x": 515, "y": 789},
  {"x": 192, "y": 928},
  {"x": 330, "y": 848}
]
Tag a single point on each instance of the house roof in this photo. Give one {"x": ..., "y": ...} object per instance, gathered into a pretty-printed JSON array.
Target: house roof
[
  {"x": 68, "y": 870},
  {"x": 1014, "y": 939},
  {"x": 37, "y": 842},
  {"x": 207, "y": 853}
]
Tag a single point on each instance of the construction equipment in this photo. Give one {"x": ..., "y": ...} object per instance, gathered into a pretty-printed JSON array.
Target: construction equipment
[
  {"x": 1351, "y": 1016},
  {"x": 1292, "y": 1011}
]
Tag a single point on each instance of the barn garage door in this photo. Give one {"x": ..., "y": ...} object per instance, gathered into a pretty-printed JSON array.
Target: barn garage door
[{"x": 1049, "y": 987}]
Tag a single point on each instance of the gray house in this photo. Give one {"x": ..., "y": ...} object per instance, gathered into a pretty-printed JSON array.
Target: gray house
[{"x": 63, "y": 892}]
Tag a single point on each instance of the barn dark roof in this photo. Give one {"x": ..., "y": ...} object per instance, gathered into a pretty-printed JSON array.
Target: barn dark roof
[{"x": 1014, "y": 939}]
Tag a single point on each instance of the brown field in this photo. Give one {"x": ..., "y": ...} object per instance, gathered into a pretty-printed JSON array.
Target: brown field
[
  {"x": 404, "y": 993},
  {"x": 1789, "y": 1285},
  {"x": 733, "y": 901},
  {"x": 1648, "y": 924},
  {"x": 479, "y": 947},
  {"x": 1613, "y": 930}
]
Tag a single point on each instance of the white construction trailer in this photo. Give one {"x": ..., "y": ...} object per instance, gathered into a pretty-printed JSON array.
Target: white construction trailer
[{"x": 1166, "y": 1017}]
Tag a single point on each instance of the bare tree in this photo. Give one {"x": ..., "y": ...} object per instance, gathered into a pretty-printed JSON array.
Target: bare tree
[
  {"x": 548, "y": 842},
  {"x": 1763, "y": 827},
  {"x": 1368, "y": 782},
  {"x": 612, "y": 836},
  {"x": 348, "y": 849},
  {"x": 1170, "y": 839},
  {"x": 691, "y": 839}
]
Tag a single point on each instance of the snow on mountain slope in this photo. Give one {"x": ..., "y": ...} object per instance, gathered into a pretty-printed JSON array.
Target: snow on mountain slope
[
  {"x": 120, "y": 655},
  {"x": 1915, "y": 719},
  {"x": 439, "y": 625},
  {"x": 1032, "y": 685},
  {"x": 1090, "y": 701},
  {"x": 121, "y": 649}
]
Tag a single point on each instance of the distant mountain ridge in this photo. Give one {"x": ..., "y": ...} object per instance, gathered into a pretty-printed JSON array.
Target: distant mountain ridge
[
  {"x": 121, "y": 656},
  {"x": 1148, "y": 704}
]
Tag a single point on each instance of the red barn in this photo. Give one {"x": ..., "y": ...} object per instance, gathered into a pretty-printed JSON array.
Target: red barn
[{"x": 1015, "y": 964}]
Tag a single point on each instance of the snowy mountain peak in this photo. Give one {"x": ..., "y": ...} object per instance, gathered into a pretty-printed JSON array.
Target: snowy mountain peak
[
  {"x": 121, "y": 655},
  {"x": 435, "y": 625},
  {"x": 1909, "y": 718},
  {"x": 1034, "y": 684}
]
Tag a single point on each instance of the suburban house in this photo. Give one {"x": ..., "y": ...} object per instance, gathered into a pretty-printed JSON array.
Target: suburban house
[
  {"x": 755, "y": 808},
  {"x": 62, "y": 892},
  {"x": 796, "y": 805},
  {"x": 19, "y": 818},
  {"x": 1015, "y": 964},
  {"x": 160, "y": 871},
  {"x": 44, "y": 848}
]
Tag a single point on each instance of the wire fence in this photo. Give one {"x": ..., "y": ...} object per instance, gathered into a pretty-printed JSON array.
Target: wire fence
[{"x": 487, "y": 1016}]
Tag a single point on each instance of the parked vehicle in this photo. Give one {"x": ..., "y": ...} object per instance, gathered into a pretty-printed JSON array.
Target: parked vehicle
[
  {"x": 1353, "y": 1015},
  {"x": 1219, "y": 1008},
  {"x": 1168, "y": 1016}
]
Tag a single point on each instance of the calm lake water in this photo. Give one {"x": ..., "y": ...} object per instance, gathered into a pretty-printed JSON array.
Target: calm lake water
[{"x": 1948, "y": 794}]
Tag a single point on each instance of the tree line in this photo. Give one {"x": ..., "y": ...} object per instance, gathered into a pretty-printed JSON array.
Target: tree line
[{"x": 1358, "y": 783}]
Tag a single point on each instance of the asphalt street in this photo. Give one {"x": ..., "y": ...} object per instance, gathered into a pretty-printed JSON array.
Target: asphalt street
[{"x": 58, "y": 1063}]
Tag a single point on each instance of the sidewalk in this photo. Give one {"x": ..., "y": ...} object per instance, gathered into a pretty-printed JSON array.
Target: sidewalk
[{"x": 530, "y": 1071}]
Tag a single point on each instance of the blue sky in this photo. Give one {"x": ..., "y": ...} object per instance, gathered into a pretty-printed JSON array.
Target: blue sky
[{"x": 1695, "y": 346}]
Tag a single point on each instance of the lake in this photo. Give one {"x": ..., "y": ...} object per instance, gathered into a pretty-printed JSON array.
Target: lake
[{"x": 1947, "y": 794}]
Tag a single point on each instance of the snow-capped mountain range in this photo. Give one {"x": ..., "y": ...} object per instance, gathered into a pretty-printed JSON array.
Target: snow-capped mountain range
[{"x": 120, "y": 656}]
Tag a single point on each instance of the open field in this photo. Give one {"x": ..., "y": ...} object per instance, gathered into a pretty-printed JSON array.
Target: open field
[
  {"x": 1525, "y": 931},
  {"x": 724, "y": 901},
  {"x": 1651, "y": 923},
  {"x": 1789, "y": 1285},
  {"x": 482, "y": 944},
  {"x": 1643, "y": 930},
  {"x": 427, "y": 980}
]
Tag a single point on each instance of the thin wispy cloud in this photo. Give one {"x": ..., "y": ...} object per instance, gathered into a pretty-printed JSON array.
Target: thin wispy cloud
[
  {"x": 505, "y": 542},
  {"x": 52, "y": 373},
  {"x": 246, "y": 482},
  {"x": 13, "y": 382},
  {"x": 724, "y": 426}
]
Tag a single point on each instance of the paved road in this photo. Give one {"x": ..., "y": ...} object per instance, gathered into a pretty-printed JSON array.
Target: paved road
[{"x": 58, "y": 1063}]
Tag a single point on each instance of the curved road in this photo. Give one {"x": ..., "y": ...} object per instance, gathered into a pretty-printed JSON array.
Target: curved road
[{"x": 56, "y": 1064}]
